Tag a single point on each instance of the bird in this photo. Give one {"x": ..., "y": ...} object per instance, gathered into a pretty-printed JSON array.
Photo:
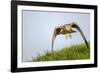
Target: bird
[{"x": 67, "y": 30}]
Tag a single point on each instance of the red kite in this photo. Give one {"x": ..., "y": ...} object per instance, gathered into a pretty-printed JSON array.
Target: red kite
[{"x": 67, "y": 29}]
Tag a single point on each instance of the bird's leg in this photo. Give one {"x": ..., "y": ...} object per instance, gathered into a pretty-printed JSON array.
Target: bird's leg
[
  {"x": 70, "y": 35},
  {"x": 66, "y": 36}
]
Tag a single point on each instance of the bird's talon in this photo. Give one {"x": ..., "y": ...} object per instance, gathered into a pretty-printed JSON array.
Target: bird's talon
[{"x": 70, "y": 35}]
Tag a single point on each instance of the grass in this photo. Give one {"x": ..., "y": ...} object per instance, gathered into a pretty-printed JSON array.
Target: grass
[{"x": 74, "y": 52}]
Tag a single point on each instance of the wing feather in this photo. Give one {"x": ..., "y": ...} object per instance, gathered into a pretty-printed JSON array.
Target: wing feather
[
  {"x": 55, "y": 33},
  {"x": 79, "y": 29}
]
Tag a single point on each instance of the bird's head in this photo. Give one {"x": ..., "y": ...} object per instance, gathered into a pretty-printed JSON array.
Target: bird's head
[{"x": 74, "y": 25}]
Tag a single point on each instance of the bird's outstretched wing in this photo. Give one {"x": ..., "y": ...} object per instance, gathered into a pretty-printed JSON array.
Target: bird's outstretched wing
[
  {"x": 79, "y": 29},
  {"x": 55, "y": 32}
]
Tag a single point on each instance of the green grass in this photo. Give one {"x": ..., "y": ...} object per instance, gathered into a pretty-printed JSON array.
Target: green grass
[{"x": 74, "y": 52}]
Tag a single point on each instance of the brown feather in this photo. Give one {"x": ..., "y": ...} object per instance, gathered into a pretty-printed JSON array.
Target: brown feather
[
  {"x": 56, "y": 31},
  {"x": 79, "y": 29}
]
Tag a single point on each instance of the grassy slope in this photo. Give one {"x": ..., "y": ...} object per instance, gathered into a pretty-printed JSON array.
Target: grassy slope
[{"x": 74, "y": 52}]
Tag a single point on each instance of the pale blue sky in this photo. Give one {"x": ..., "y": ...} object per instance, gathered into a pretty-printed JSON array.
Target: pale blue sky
[{"x": 38, "y": 27}]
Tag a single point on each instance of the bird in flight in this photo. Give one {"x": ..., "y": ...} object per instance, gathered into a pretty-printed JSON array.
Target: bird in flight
[{"x": 67, "y": 30}]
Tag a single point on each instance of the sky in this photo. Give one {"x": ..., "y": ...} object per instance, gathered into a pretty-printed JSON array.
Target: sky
[{"x": 38, "y": 27}]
